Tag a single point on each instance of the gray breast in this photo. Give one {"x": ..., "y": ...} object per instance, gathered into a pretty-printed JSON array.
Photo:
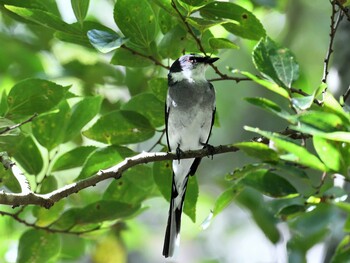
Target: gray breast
[{"x": 187, "y": 95}]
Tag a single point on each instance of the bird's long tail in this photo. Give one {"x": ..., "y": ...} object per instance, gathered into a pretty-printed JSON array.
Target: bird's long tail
[{"x": 178, "y": 192}]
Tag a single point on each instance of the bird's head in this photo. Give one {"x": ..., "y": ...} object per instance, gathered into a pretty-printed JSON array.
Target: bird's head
[{"x": 190, "y": 67}]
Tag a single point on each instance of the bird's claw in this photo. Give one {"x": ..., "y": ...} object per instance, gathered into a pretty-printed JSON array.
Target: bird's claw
[
  {"x": 179, "y": 152},
  {"x": 210, "y": 148}
]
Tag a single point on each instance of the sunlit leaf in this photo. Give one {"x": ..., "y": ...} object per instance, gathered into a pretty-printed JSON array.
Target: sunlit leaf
[
  {"x": 34, "y": 96},
  {"x": 73, "y": 158},
  {"x": 80, "y": 8},
  {"x": 226, "y": 198},
  {"x": 136, "y": 20},
  {"x": 103, "y": 158},
  {"x": 120, "y": 127},
  {"x": 258, "y": 150}
]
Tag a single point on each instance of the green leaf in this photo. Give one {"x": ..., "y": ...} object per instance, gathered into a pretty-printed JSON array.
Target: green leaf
[
  {"x": 137, "y": 21},
  {"x": 45, "y": 217},
  {"x": 149, "y": 106},
  {"x": 245, "y": 24},
  {"x": 258, "y": 150},
  {"x": 196, "y": 2},
  {"x": 105, "y": 41},
  {"x": 323, "y": 121},
  {"x": 226, "y": 198},
  {"x": 268, "y": 183},
  {"x": 74, "y": 158},
  {"x": 162, "y": 175},
  {"x": 275, "y": 62},
  {"x": 335, "y": 155},
  {"x": 82, "y": 113},
  {"x": 80, "y": 8},
  {"x": 203, "y": 24},
  {"x": 27, "y": 154},
  {"x": 49, "y": 129},
  {"x": 270, "y": 106},
  {"x": 342, "y": 253},
  {"x": 120, "y": 127},
  {"x": 127, "y": 58},
  {"x": 159, "y": 88},
  {"x": 97, "y": 212},
  {"x": 103, "y": 158},
  {"x": 6, "y": 123},
  {"x": 43, "y": 18},
  {"x": 73, "y": 247},
  {"x": 312, "y": 227},
  {"x": 38, "y": 246},
  {"x": 135, "y": 186},
  {"x": 296, "y": 153},
  {"x": 166, "y": 21},
  {"x": 34, "y": 96},
  {"x": 267, "y": 84},
  {"x": 222, "y": 43}
]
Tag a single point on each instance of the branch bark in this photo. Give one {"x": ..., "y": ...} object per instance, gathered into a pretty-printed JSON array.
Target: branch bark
[{"x": 47, "y": 200}]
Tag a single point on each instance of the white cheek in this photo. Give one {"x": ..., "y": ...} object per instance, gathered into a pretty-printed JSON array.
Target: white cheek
[{"x": 174, "y": 104}]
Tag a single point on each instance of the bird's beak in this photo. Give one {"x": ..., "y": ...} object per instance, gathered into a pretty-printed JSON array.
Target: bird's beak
[{"x": 209, "y": 60}]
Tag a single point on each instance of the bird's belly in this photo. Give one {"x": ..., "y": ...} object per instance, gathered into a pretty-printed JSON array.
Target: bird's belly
[{"x": 189, "y": 129}]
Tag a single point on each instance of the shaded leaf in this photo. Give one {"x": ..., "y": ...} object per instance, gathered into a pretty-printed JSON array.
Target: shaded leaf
[
  {"x": 246, "y": 24},
  {"x": 135, "y": 186},
  {"x": 269, "y": 183},
  {"x": 222, "y": 43},
  {"x": 97, "y": 212},
  {"x": 226, "y": 198},
  {"x": 31, "y": 244},
  {"x": 149, "y": 106},
  {"x": 275, "y": 62},
  {"x": 82, "y": 113},
  {"x": 49, "y": 129},
  {"x": 120, "y": 127},
  {"x": 74, "y": 158}
]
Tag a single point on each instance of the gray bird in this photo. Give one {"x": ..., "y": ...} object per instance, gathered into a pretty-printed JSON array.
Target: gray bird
[{"x": 189, "y": 117}]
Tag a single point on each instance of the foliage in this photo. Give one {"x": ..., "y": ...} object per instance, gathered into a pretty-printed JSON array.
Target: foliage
[{"x": 81, "y": 129}]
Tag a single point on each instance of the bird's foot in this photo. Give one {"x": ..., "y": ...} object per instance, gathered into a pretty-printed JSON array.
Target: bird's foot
[
  {"x": 179, "y": 152},
  {"x": 210, "y": 148}
]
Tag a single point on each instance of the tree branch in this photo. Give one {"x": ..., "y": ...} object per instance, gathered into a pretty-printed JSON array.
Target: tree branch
[
  {"x": 47, "y": 200},
  {"x": 10, "y": 128}
]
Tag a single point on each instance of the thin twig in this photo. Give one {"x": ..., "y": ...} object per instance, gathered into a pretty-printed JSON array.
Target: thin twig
[
  {"x": 346, "y": 94},
  {"x": 344, "y": 9},
  {"x": 153, "y": 59},
  {"x": 226, "y": 77},
  {"x": 16, "y": 217},
  {"x": 158, "y": 141},
  {"x": 333, "y": 29},
  {"x": 10, "y": 128}
]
